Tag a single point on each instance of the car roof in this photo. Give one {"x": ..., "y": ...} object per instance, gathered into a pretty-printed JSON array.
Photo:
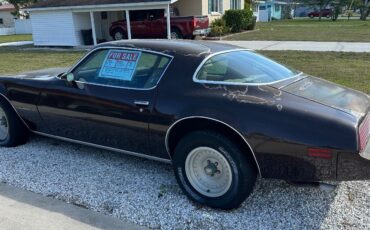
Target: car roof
[{"x": 173, "y": 47}]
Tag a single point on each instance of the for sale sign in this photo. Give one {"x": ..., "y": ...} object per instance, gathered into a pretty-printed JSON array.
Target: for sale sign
[{"x": 120, "y": 64}]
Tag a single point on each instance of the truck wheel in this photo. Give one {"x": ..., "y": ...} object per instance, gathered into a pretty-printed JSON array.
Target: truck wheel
[
  {"x": 12, "y": 131},
  {"x": 176, "y": 34},
  {"x": 213, "y": 171},
  {"x": 118, "y": 34}
]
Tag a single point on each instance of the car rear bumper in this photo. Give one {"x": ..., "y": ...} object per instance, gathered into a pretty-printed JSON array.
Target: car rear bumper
[
  {"x": 202, "y": 31},
  {"x": 353, "y": 166},
  {"x": 366, "y": 153}
]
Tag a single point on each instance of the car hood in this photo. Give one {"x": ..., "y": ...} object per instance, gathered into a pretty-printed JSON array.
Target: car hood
[
  {"x": 39, "y": 74},
  {"x": 330, "y": 94}
]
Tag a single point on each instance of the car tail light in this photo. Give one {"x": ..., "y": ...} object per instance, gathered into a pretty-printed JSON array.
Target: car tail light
[{"x": 364, "y": 132}]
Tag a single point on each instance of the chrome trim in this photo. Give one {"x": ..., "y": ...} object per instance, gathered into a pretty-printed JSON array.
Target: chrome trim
[
  {"x": 232, "y": 83},
  {"x": 123, "y": 48},
  {"x": 212, "y": 119},
  {"x": 142, "y": 103},
  {"x": 104, "y": 147},
  {"x": 16, "y": 112}
]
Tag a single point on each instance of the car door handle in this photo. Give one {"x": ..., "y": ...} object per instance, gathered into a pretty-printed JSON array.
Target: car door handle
[{"x": 142, "y": 103}]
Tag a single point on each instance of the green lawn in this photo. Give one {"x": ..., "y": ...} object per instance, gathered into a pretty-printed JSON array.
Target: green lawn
[
  {"x": 17, "y": 60},
  {"x": 349, "y": 69},
  {"x": 309, "y": 30},
  {"x": 15, "y": 38}
]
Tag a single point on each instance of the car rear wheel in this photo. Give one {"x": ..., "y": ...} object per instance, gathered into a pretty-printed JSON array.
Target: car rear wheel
[
  {"x": 213, "y": 171},
  {"x": 175, "y": 34},
  {"x": 118, "y": 34},
  {"x": 12, "y": 131}
]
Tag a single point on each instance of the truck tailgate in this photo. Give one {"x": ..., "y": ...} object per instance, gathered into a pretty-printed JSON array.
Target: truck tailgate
[{"x": 201, "y": 22}]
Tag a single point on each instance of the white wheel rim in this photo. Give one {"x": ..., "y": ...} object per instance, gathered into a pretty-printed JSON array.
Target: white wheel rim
[
  {"x": 118, "y": 36},
  {"x": 174, "y": 35},
  {"x": 208, "y": 171},
  {"x": 4, "y": 125}
]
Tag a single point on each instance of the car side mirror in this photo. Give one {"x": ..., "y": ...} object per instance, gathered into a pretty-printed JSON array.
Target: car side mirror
[{"x": 70, "y": 77}]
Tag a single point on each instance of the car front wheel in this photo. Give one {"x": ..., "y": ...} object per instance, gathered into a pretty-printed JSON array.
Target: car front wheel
[
  {"x": 213, "y": 171},
  {"x": 12, "y": 131}
]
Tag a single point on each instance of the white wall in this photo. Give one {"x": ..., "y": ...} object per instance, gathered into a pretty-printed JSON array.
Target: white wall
[
  {"x": 53, "y": 28},
  {"x": 7, "y": 31},
  {"x": 81, "y": 21},
  {"x": 8, "y": 19},
  {"x": 23, "y": 26}
]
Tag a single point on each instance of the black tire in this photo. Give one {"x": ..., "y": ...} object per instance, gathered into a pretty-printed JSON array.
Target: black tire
[
  {"x": 17, "y": 132},
  {"x": 176, "y": 34},
  {"x": 118, "y": 31},
  {"x": 243, "y": 169}
]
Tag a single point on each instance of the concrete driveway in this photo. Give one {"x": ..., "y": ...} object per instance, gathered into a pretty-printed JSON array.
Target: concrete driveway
[{"x": 21, "y": 209}]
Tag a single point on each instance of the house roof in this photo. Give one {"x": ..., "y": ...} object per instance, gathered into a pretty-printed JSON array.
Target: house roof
[
  {"x": 77, "y": 3},
  {"x": 7, "y": 7}
]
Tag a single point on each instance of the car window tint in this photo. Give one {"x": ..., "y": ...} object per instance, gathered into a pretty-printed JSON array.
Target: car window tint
[
  {"x": 242, "y": 67},
  {"x": 122, "y": 68}
]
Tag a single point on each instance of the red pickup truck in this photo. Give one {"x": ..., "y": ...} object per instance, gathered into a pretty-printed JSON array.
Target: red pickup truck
[{"x": 153, "y": 24}]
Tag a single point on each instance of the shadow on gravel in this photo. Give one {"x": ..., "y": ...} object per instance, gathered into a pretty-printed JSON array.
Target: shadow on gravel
[{"x": 146, "y": 193}]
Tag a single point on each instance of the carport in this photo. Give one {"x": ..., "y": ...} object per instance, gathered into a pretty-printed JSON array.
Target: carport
[{"x": 76, "y": 15}]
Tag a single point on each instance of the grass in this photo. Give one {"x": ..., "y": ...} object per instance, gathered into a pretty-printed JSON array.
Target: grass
[
  {"x": 349, "y": 69},
  {"x": 15, "y": 38},
  {"x": 17, "y": 60},
  {"x": 309, "y": 30}
]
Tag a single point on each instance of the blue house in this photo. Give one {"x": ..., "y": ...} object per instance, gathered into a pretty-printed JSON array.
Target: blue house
[{"x": 267, "y": 10}]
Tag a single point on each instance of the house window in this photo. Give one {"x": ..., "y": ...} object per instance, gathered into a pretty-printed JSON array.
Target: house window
[
  {"x": 1, "y": 21},
  {"x": 215, "y": 6},
  {"x": 277, "y": 8},
  {"x": 235, "y": 4}
]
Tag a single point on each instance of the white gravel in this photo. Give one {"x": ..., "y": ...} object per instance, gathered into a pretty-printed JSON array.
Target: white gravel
[{"x": 146, "y": 193}]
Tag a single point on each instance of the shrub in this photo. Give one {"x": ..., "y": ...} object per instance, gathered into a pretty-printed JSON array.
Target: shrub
[
  {"x": 238, "y": 20},
  {"x": 252, "y": 25},
  {"x": 219, "y": 28}
]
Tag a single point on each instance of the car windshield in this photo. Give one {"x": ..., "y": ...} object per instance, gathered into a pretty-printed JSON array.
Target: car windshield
[{"x": 242, "y": 67}]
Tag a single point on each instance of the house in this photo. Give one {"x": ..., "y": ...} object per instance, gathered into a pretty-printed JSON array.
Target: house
[
  {"x": 59, "y": 23},
  {"x": 268, "y": 10},
  {"x": 213, "y": 8},
  {"x": 6, "y": 19}
]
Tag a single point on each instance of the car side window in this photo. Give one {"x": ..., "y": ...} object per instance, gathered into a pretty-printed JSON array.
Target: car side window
[{"x": 122, "y": 68}]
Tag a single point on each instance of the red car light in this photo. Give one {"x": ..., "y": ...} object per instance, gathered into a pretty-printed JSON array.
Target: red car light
[
  {"x": 321, "y": 153},
  {"x": 364, "y": 133}
]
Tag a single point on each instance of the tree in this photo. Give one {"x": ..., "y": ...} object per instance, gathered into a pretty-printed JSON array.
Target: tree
[
  {"x": 365, "y": 10},
  {"x": 18, "y": 4}
]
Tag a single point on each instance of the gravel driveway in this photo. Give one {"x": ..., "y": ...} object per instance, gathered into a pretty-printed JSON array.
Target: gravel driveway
[{"x": 146, "y": 193}]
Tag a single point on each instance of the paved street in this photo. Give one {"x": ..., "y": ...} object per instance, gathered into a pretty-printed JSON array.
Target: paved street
[
  {"x": 303, "y": 46},
  {"x": 21, "y": 209}
]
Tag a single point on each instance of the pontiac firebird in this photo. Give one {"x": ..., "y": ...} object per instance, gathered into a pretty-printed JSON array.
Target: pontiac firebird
[{"x": 220, "y": 114}]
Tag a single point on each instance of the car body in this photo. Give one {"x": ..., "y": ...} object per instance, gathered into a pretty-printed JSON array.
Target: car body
[
  {"x": 260, "y": 116},
  {"x": 153, "y": 24},
  {"x": 324, "y": 13}
]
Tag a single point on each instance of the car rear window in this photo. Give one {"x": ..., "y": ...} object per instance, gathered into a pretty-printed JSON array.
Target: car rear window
[{"x": 242, "y": 67}]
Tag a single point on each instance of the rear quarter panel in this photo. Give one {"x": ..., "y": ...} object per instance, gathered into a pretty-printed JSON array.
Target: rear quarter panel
[{"x": 280, "y": 127}]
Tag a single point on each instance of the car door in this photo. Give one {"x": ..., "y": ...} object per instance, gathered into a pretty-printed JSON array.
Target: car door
[
  {"x": 156, "y": 23},
  {"x": 140, "y": 26},
  {"x": 110, "y": 101}
]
